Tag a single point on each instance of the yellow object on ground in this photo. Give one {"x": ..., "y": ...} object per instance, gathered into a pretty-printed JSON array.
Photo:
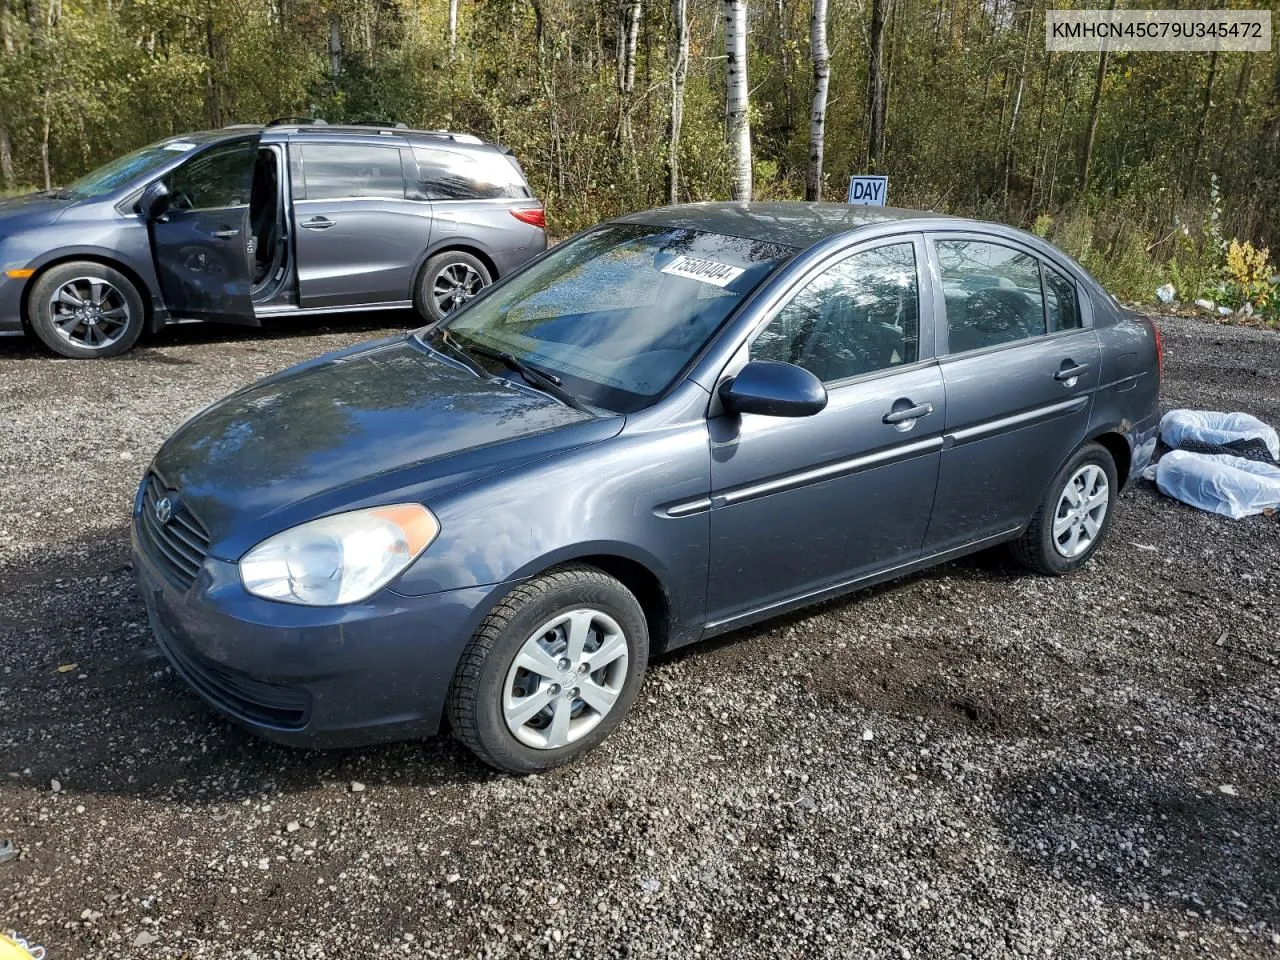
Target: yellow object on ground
[{"x": 15, "y": 950}]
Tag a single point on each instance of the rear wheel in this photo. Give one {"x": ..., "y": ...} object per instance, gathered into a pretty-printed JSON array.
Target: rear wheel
[
  {"x": 1073, "y": 517},
  {"x": 551, "y": 671},
  {"x": 448, "y": 280},
  {"x": 84, "y": 309}
]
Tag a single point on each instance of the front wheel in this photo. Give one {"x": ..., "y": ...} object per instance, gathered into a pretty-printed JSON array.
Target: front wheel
[
  {"x": 551, "y": 671},
  {"x": 1073, "y": 517},
  {"x": 448, "y": 280},
  {"x": 84, "y": 309}
]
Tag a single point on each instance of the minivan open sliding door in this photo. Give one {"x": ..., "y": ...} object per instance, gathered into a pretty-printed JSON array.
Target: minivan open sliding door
[{"x": 200, "y": 245}]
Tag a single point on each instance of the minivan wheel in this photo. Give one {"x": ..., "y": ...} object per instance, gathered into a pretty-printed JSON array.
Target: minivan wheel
[
  {"x": 1074, "y": 516},
  {"x": 448, "y": 281},
  {"x": 551, "y": 671},
  {"x": 84, "y": 309}
]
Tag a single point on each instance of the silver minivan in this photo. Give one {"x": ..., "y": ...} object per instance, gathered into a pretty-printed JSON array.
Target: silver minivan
[{"x": 249, "y": 222}]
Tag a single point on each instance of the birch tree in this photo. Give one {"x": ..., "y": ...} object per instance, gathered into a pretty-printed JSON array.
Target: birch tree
[
  {"x": 818, "y": 114},
  {"x": 453, "y": 28},
  {"x": 737, "y": 106},
  {"x": 679, "y": 72}
]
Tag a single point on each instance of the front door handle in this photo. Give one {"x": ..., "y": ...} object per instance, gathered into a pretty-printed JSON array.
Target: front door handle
[
  {"x": 227, "y": 233},
  {"x": 318, "y": 223},
  {"x": 1070, "y": 371},
  {"x": 904, "y": 414}
]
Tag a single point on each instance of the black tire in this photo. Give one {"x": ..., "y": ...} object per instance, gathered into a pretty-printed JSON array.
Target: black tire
[
  {"x": 1038, "y": 548},
  {"x": 118, "y": 296},
  {"x": 476, "y": 695},
  {"x": 452, "y": 264}
]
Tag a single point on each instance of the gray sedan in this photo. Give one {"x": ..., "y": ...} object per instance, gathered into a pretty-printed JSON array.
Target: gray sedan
[{"x": 671, "y": 426}]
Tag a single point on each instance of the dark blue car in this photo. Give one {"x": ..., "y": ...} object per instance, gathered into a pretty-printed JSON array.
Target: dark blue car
[{"x": 673, "y": 425}]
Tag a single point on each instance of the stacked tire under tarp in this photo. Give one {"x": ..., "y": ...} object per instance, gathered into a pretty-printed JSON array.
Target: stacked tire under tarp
[{"x": 1226, "y": 463}]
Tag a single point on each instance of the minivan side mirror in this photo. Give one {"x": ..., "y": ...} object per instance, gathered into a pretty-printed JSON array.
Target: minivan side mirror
[
  {"x": 155, "y": 200},
  {"x": 774, "y": 389}
]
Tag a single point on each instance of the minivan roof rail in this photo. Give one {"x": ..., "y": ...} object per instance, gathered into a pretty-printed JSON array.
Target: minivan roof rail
[
  {"x": 457, "y": 137},
  {"x": 281, "y": 121}
]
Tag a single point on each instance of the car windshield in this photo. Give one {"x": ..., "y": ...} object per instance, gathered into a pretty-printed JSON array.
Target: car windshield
[
  {"x": 125, "y": 170},
  {"x": 618, "y": 313}
]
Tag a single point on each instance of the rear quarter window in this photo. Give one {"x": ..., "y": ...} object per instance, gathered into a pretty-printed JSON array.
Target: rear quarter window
[{"x": 468, "y": 175}]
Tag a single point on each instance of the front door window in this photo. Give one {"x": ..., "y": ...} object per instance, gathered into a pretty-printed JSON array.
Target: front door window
[{"x": 859, "y": 316}]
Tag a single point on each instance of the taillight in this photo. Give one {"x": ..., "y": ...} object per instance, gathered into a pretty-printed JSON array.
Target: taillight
[
  {"x": 1155, "y": 329},
  {"x": 534, "y": 216}
]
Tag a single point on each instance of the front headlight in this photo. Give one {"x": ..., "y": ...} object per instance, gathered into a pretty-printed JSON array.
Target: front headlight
[{"x": 345, "y": 558}]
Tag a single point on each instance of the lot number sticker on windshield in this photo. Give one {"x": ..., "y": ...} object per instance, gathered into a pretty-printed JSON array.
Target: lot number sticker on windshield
[{"x": 708, "y": 271}]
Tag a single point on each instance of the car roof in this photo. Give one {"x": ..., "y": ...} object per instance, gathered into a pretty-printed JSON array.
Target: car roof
[
  {"x": 791, "y": 223},
  {"x": 370, "y": 132}
]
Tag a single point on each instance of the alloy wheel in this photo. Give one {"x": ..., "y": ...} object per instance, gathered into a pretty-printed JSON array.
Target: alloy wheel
[
  {"x": 89, "y": 312},
  {"x": 1081, "y": 510},
  {"x": 455, "y": 285},
  {"x": 565, "y": 679}
]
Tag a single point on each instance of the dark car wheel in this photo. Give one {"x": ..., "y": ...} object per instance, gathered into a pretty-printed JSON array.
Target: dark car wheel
[
  {"x": 1074, "y": 516},
  {"x": 448, "y": 280},
  {"x": 551, "y": 671},
  {"x": 84, "y": 309}
]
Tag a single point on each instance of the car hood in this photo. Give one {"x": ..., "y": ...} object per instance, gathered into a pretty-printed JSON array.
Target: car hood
[
  {"x": 353, "y": 429},
  {"x": 29, "y": 210}
]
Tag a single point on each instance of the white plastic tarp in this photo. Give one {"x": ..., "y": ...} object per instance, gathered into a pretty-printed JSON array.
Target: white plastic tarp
[
  {"x": 1213, "y": 427},
  {"x": 1231, "y": 486}
]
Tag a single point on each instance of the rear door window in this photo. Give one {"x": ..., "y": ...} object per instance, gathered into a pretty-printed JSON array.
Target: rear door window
[
  {"x": 468, "y": 175},
  {"x": 1062, "y": 300},
  {"x": 339, "y": 171},
  {"x": 992, "y": 292}
]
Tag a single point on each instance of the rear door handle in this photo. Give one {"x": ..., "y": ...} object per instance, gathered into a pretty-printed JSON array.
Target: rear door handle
[
  {"x": 226, "y": 234},
  {"x": 1071, "y": 372},
  {"x": 904, "y": 418},
  {"x": 318, "y": 223}
]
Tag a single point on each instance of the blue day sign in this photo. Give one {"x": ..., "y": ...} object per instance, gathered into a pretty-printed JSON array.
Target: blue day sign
[{"x": 869, "y": 191}]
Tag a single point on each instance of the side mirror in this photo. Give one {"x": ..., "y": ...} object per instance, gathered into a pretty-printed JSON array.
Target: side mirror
[
  {"x": 774, "y": 389},
  {"x": 155, "y": 200}
]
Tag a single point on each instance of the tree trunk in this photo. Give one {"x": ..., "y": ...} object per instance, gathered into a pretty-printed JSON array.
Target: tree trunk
[
  {"x": 679, "y": 71},
  {"x": 875, "y": 85},
  {"x": 335, "y": 46},
  {"x": 1197, "y": 153},
  {"x": 7, "y": 179},
  {"x": 895, "y": 17},
  {"x": 1086, "y": 155},
  {"x": 46, "y": 122},
  {"x": 213, "y": 88},
  {"x": 1009, "y": 152},
  {"x": 629, "y": 33},
  {"x": 737, "y": 107},
  {"x": 821, "y": 81},
  {"x": 453, "y": 28}
]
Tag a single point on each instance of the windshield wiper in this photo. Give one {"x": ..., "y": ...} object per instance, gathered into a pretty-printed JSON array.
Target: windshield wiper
[
  {"x": 462, "y": 354},
  {"x": 547, "y": 382}
]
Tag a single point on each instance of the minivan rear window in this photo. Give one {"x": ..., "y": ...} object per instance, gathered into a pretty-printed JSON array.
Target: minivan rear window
[{"x": 468, "y": 175}]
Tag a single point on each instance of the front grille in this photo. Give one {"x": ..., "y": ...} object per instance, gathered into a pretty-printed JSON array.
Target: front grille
[
  {"x": 235, "y": 693},
  {"x": 179, "y": 546}
]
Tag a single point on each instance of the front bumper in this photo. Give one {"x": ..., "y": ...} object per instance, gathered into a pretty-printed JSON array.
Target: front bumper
[{"x": 311, "y": 676}]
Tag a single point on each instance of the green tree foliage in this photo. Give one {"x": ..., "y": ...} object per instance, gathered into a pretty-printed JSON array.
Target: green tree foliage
[{"x": 978, "y": 117}]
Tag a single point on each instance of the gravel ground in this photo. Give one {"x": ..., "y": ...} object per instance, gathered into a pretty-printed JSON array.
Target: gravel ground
[{"x": 972, "y": 762}]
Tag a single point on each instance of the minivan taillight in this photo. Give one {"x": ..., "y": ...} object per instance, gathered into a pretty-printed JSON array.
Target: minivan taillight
[
  {"x": 1155, "y": 329},
  {"x": 535, "y": 216}
]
